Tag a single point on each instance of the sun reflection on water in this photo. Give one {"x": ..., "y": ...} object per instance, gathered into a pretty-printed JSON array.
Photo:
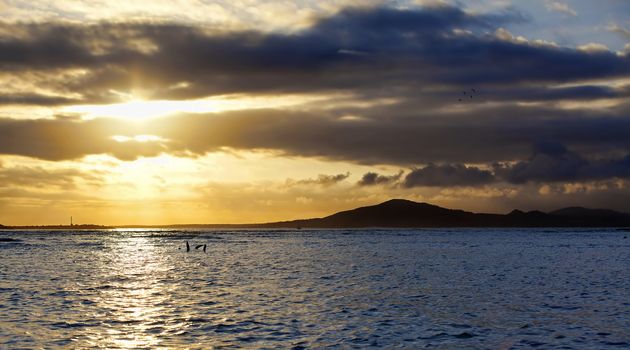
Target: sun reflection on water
[{"x": 135, "y": 295}]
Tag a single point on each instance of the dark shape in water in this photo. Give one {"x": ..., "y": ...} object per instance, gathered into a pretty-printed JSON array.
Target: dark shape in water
[
  {"x": 187, "y": 246},
  {"x": 464, "y": 335}
]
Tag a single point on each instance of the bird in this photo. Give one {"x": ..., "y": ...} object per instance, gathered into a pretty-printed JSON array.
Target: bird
[
  {"x": 204, "y": 248},
  {"x": 199, "y": 246},
  {"x": 187, "y": 246}
]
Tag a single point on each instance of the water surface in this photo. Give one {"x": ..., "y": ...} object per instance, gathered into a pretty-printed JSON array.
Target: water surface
[{"x": 438, "y": 289}]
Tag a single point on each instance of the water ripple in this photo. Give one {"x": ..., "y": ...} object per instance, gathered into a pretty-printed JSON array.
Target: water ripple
[{"x": 442, "y": 289}]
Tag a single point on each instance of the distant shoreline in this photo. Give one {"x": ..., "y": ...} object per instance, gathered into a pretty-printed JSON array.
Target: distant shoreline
[
  {"x": 400, "y": 213},
  {"x": 288, "y": 228},
  {"x": 306, "y": 229}
]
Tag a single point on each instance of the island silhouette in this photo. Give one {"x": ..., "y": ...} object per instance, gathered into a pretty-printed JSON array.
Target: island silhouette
[{"x": 402, "y": 213}]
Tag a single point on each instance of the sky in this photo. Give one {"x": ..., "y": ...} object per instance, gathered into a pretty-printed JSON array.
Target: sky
[{"x": 191, "y": 111}]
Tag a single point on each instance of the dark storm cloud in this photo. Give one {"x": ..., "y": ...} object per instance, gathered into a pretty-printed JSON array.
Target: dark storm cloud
[
  {"x": 484, "y": 137},
  {"x": 450, "y": 141},
  {"x": 35, "y": 99},
  {"x": 357, "y": 49},
  {"x": 48, "y": 46},
  {"x": 372, "y": 178},
  {"x": 448, "y": 175},
  {"x": 391, "y": 136},
  {"x": 552, "y": 162},
  {"x": 586, "y": 92}
]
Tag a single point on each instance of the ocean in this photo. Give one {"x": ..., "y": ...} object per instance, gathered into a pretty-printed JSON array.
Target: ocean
[{"x": 299, "y": 289}]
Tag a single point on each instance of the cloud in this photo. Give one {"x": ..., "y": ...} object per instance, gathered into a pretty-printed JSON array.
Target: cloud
[
  {"x": 405, "y": 137},
  {"x": 64, "y": 138},
  {"x": 35, "y": 99},
  {"x": 321, "y": 180},
  {"x": 559, "y": 6},
  {"x": 594, "y": 47},
  {"x": 447, "y": 175},
  {"x": 372, "y": 178},
  {"x": 553, "y": 162},
  {"x": 398, "y": 139},
  {"x": 616, "y": 28},
  {"x": 41, "y": 177},
  {"x": 543, "y": 94},
  {"x": 405, "y": 49},
  {"x": 419, "y": 60}
]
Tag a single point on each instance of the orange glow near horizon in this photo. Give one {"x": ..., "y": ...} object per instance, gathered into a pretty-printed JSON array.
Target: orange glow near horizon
[{"x": 236, "y": 187}]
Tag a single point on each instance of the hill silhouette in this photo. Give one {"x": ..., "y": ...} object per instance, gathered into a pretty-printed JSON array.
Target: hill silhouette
[
  {"x": 401, "y": 213},
  {"x": 406, "y": 213},
  {"x": 581, "y": 211}
]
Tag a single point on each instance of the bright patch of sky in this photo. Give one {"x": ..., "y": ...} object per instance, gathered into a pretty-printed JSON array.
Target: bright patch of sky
[{"x": 570, "y": 23}]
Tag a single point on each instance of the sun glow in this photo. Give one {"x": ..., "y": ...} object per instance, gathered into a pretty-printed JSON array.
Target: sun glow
[
  {"x": 138, "y": 109},
  {"x": 141, "y": 109},
  {"x": 137, "y": 138}
]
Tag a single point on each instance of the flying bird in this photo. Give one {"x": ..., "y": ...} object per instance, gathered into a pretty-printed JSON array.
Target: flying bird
[{"x": 470, "y": 95}]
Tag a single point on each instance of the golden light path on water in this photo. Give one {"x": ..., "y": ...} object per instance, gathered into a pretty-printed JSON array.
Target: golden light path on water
[{"x": 137, "y": 294}]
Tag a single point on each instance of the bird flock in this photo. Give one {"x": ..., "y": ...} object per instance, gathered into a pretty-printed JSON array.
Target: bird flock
[{"x": 470, "y": 94}]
